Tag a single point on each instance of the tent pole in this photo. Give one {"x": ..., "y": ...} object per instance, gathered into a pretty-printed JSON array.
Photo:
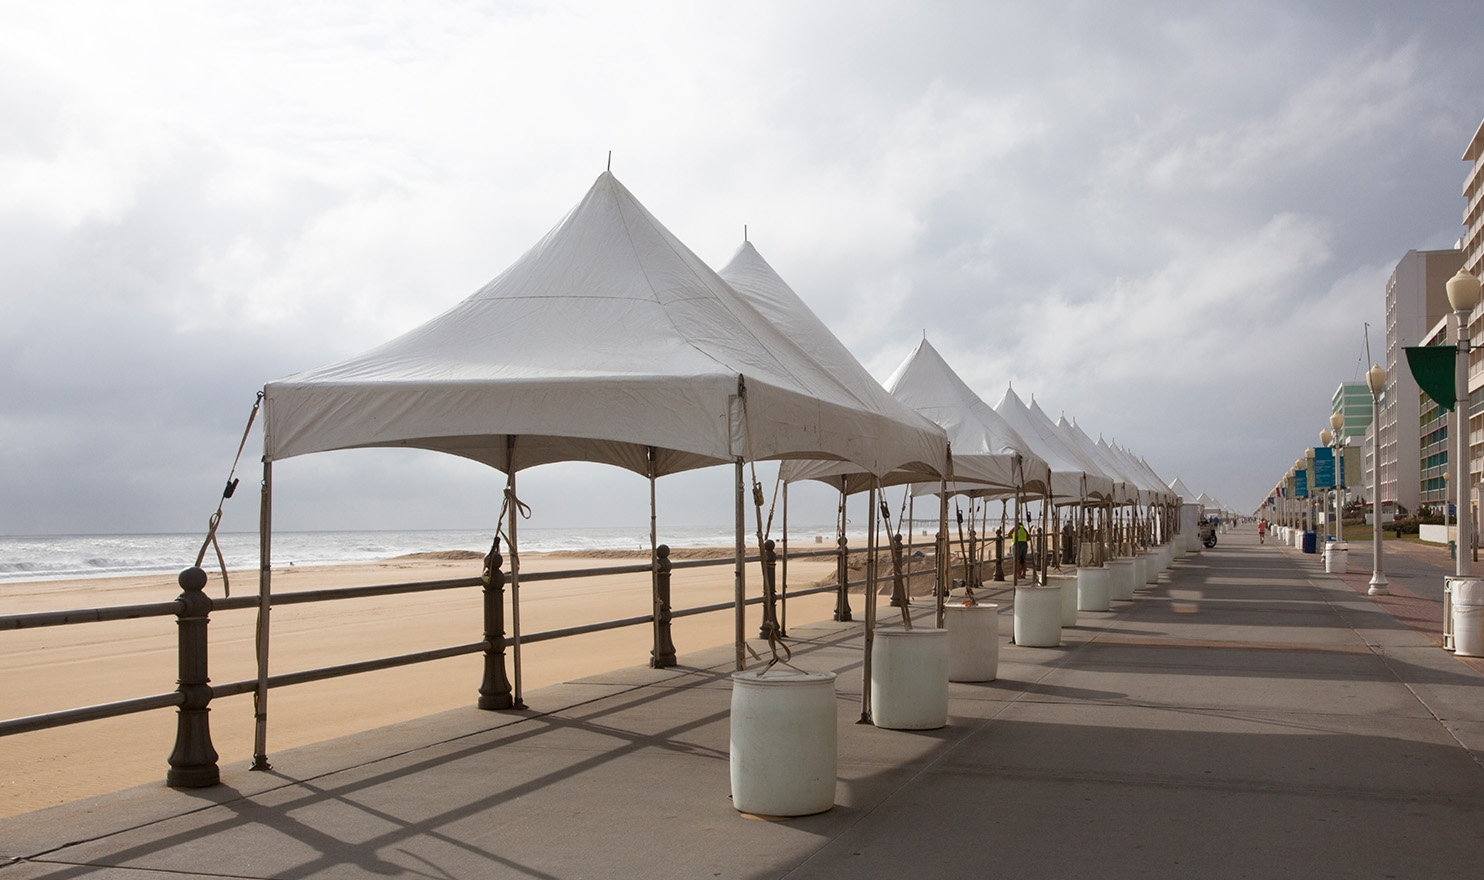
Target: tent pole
[
  {"x": 783, "y": 592},
  {"x": 940, "y": 551},
  {"x": 870, "y": 604},
  {"x": 654, "y": 563},
  {"x": 981, "y": 545},
  {"x": 514, "y": 568},
  {"x": 265, "y": 604},
  {"x": 1014, "y": 550},
  {"x": 1045, "y": 563},
  {"x": 911, "y": 511},
  {"x": 740, "y": 584},
  {"x": 940, "y": 575},
  {"x": 842, "y": 562}
]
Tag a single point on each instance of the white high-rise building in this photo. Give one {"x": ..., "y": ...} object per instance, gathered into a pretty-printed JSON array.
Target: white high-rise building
[{"x": 1416, "y": 300}]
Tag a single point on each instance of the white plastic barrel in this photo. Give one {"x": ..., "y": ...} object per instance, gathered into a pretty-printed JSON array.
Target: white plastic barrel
[
  {"x": 1068, "y": 587},
  {"x": 1121, "y": 579},
  {"x": 1141, "y": 572},
  {"x": 909, "y": 678},
  {"x": 1151, "y": 567},
  {"x": 1092, "y": 588},
  {"x": 1468, "y": 609},
  {"x": 973, "y": 642},
  {"x": 1038, "y": 617},
  {"x": 1337, "y": 557},
  {"x": 783, "y": 746}
]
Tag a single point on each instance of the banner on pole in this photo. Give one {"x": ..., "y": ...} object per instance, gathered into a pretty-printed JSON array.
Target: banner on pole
[
  {"x": 1433, "y": 367},
  {"x": 1324, "y": 468}
]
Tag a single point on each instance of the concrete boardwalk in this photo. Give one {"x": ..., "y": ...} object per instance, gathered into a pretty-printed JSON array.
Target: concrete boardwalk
[{"x": 1248, "y": 716}]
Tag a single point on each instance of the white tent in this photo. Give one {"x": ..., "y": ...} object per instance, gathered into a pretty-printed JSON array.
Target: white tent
[
  {"x": 1074, "y": 479},
  {"x": 989, "y": 457},
  {"x": 756, "y": 282},
  {"x": 1148, "y": 480},
  {"x": 1125, "y": 487},
  {"x": 762, "y": 287},
  {"x": 608, "y": 341}
]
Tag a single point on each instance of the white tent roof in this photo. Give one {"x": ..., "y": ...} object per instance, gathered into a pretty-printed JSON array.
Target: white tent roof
[
  {"x": 1148, "y": 479},
  {"x": 989, "y": 458},
  {"x": 1125, "y": 488},
  {"x": 606, "y": 338},
  {"x": 1179, "y": 488},
  {"x": 1073, "y": 477},
  {"x": 765, "y": 290}
]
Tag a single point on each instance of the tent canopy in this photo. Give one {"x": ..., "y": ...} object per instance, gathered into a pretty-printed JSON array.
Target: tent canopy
[
  {"x": 1125, "y": 487},
  {"x": 764, "y": 289},
  {"x": 989, "y": 458},
  {"x": 607, "y": 338},
  {"x": 1074, "y": 479}
]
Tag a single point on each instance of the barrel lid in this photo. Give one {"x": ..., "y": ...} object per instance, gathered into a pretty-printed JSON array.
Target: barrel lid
[
  {"x": 781, "y": 676},
  {"x": 916, "y": 632}
]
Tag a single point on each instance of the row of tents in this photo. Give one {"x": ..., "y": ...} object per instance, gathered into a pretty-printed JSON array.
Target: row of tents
[{"x": 609, "y": 341}]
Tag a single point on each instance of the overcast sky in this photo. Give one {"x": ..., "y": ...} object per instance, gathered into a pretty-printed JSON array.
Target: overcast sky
[{"x": 1169, "y": 220}]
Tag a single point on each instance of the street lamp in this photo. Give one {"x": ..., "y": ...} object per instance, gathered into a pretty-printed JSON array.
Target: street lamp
[
  {"x": 1305, "y": 522},
  {"x": 1327, "y": 440},
  {"x": 1376, "y": 379},
  {"x": 1337, "y": 423},
  {"x": 1463, "y": 296}
]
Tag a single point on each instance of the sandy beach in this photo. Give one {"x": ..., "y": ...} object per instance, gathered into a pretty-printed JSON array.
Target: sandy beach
[{"x": 55, "y": 668}]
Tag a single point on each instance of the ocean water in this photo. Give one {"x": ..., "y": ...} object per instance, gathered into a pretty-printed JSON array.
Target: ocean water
[{"x": 58, "y": 557}]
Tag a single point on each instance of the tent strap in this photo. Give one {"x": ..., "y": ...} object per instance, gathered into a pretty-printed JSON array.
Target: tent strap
[{"x": 216, "y": 518}]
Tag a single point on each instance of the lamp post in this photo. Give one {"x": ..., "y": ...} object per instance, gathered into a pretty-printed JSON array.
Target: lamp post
[
  {"x": 1463, "y": 296},
  {"x": 1376, "y": 380},
  {"x": 1305, "y": 522},
  {"x": 1327, "y": 440},
  {"x": 1337, "y": 425}
]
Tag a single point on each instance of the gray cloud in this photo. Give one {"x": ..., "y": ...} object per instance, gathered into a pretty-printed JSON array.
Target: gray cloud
[{"x": 1170, "y": 223}]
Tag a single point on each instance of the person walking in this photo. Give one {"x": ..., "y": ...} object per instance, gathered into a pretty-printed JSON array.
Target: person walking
[
  {"x": 1262, "y": 531},
  {"x": 1022, "y": 540}
]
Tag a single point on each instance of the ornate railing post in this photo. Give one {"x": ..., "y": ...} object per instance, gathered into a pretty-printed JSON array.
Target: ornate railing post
[
  {"x": 842, "y": 578},
  {"x": 896, "y": 587},
  {"x": 662, "y": 655},
  {"x": 770, "y": 593},
  {"x": 193, "y": 761},
  {"x": 999, "y": 553},
  {"x": 494, "y": 691}
]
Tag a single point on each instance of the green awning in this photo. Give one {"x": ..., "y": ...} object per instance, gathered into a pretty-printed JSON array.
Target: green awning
[{"x": 1433, "y": 367}]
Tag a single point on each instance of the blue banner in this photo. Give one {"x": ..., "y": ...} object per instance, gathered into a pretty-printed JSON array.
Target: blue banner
[
  {"x": 1301, "y": 484},
  {"x": 1324, "y": 468}
]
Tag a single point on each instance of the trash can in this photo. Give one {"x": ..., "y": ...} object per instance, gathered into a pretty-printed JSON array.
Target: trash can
[
  {"x": 1468, "y": 612},
  {"x": 1310, "y": 542},
  {"x": 1337, "y": 557}
]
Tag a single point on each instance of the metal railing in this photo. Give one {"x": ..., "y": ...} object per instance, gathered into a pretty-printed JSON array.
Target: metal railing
[{"x": 193, "y": 762}]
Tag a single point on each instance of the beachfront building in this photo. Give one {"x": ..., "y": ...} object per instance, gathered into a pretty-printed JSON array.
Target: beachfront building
[
  {"x": 1471, "y": 251},
  {"x": 1416, "y": 312},
  {"x": 1353, "y": 401},
  {"x": 1432, "y": 486}
]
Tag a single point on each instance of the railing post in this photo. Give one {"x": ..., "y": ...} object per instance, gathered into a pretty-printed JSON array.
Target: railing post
[
  {"x": 193, "y": 761},
  {"x": 999, "y": 553},
  {"x": 770, "y": 625},
  {"x": 494, "y": 691},
  {"x": 663, "y": 654},
  {"x": 842, "y": 578}
]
